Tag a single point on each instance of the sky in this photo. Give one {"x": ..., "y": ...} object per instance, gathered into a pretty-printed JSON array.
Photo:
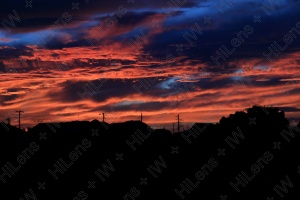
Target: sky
[{"x": 76, "y": 59}]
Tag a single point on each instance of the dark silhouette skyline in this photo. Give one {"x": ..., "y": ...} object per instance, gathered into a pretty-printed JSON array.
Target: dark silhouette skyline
[{"x": 247, "y": 154}]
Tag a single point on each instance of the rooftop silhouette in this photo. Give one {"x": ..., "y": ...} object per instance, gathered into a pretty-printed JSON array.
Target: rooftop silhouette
[{"x": 243, "y": 155}]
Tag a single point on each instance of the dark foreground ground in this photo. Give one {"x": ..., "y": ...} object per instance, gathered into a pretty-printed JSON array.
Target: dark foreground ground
[{"x": 248, "y": 155}]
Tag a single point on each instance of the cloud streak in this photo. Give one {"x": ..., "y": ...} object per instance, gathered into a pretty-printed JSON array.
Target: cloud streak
[{"x": 126, "y": 58}]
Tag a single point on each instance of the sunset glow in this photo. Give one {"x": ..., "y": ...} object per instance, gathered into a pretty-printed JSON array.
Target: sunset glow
[{"x": 197, "y": 59}]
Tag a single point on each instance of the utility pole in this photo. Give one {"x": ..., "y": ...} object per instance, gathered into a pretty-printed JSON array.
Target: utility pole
[
  {"x": 141, "y": 117},
  {"x": 8, "y": 120},
  {"x": 173, "y": 128},
  {"x": 103, "y": 117},
  {"x": 178, "y": 123},
  {"x": 20, "y": 111}
]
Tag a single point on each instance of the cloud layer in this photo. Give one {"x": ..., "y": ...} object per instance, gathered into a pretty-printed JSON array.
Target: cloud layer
[{"x": 70, "y": 60}]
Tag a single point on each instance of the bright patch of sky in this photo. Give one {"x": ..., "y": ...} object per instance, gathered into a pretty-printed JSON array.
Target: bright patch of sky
[
  {"x": 128, "y": 103},
  {"x": 169, "y": 83}
]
